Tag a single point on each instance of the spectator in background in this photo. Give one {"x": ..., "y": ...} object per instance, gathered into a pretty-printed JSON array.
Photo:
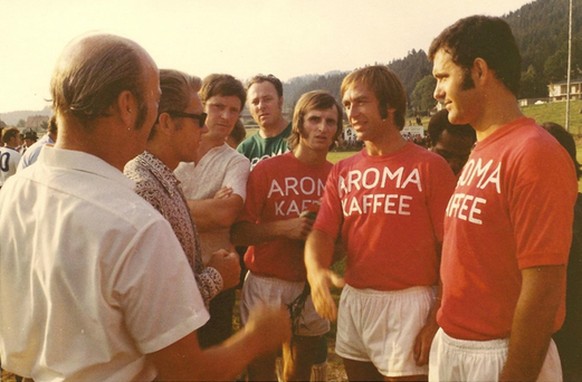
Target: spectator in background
[
  {"x": 282, "y": 191},
  {"x": 569, "y": 337},
  {"x": 508, "y": 225},
  {"x": 387, "y": 204},
  {"x": 102, "y": 290},
  {"x": 29, "y": 138},
  {"x": 452, "y": 142},
  {"x": 9, "y": 154},
  {"x": 31, "y": 154},
  {"x": 175, "y": 137},
  {"x": 237, "y": 135},
  {"x": 265, "y": 100},
  {"x": 214, "y": 183}
]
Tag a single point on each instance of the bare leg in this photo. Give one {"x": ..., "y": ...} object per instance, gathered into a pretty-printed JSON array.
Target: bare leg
[
  {"x": 299, "y": 359},
  {"x": 263, "y": 368}
]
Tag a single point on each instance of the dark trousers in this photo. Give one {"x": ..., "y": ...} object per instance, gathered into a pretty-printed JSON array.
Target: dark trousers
[{"x": 219, "y": 327}]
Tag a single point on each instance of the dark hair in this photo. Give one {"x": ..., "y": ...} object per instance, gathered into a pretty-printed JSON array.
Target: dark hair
[
  {"x": 9, "y": 133},
  {"x": 489, "y": 38},
  {"x": 238, "y": 133},
  {"x": 566, "y": 140},
  {"x": 222, "y": 85},
  {"x": 385, "y": 85},
  {"x": 440, "y": 122},
  {"x": 176, "y": 87},
  {"x": 313, "y": 100},
  {"x": 268, "y": 78}
]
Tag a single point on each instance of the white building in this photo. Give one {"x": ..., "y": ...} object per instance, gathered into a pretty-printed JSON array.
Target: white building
[{"x": 558, "y": 90}]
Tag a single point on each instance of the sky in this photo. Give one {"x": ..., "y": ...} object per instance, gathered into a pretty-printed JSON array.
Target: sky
[{"x": 287, "y": 38}]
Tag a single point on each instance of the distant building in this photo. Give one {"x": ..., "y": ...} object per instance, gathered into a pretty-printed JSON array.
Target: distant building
[
  {"x": 558, "y": 90},
  {"x": 348, "y": 137},
  {"x": 532, "y": 101}
]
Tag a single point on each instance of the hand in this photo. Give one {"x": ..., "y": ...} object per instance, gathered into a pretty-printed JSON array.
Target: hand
[
  {"x": 424, "y": 340},
  {"x": 320, "y": 282},
  {"x": 297, "y": 228},
  {"x": 271, "y": 325},
  {"x": 223, "y": 193},
  {"x": 228, "y": 265}
]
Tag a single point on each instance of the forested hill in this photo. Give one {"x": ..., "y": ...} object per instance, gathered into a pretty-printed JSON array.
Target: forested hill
[{"x": 541, "y": 31}]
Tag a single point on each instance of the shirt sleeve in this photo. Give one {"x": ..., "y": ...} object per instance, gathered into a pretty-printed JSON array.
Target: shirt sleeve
[
  {"x": 544, "y": 177},
  {"x": 442, "y": 185},
  {"x": 156, "y": 289},
  {"x": 210, "y": 284},
  {"x": 330, "y": 216},
  {"x": 237, "y": 175},
  {"x": 255, "y": 195}
]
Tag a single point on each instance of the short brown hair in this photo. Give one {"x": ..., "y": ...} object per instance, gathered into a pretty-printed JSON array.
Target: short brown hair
[
  {"x": 222, "y": 85},
  {"x": 176, "y": 88},
  {"x": 268, "y": 78},
  {"x": 313, "y": 100},
  {"x": 385, "y": 85},
  {"x": 9, "y": 133}
]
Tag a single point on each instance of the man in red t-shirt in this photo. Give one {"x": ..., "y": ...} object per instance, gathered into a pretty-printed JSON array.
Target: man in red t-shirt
[
  {"x": 283, "y": 194},
  {"x": 387, "y": 204},
  {"x": 508, "y": 225}
]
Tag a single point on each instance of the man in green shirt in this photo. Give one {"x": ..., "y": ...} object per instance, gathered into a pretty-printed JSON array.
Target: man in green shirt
[{"x": 265, "y": 102}]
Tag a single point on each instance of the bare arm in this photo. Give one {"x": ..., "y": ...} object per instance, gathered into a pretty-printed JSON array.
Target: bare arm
[
  {"x": 319, "y": 252},
  {"x": 267, "y": 328},
  {"x": 542, "y": 288},
  {"x": 246, "y": 233},
  {"x": 216, "y": 213},
  {"x": 424, "y": 338}
]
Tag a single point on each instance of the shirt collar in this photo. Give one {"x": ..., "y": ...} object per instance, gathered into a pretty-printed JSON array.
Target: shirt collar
[{"x": 159, "y": 170}]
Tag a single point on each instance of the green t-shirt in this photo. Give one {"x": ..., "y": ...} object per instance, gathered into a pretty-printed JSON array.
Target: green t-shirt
[{"x": 257, "y": 148}]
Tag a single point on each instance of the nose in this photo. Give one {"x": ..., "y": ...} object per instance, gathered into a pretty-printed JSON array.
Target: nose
[
  {"x": 351, "y": 112},
  {"x": 438, "y": 93}
]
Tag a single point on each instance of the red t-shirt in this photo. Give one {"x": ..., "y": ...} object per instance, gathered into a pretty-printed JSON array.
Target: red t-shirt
[
  {"x": 281, "y": 188},
  {"x": 512, "y": 209},
  {"x": 390, "y": 211}
]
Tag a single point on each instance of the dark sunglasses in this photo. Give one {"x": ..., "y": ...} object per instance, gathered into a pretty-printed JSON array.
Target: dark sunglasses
[{"x": 201, "y": 118}]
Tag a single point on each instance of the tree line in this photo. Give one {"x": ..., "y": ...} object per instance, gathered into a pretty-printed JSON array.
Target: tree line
[{"x": 541, "y": 32}]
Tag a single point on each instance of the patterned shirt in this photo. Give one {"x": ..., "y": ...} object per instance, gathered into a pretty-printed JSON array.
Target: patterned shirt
[{"x": 156, "y": 183}]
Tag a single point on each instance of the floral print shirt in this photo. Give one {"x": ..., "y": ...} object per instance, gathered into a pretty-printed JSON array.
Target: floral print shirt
[{"x": 156, "y": 183}]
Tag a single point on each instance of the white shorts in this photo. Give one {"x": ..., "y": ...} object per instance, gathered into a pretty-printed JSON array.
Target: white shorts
[
  {"x": 272, "y": 291},
  {"x": 461, "y": 360},
  {"x": 381, "y": 327}
]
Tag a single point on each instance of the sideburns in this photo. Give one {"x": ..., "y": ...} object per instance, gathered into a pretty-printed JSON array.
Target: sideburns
[{"x": 468, "y": 82}]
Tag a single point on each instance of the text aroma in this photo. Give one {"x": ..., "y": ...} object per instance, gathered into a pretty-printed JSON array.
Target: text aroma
[{"x": 374, "y": 178}]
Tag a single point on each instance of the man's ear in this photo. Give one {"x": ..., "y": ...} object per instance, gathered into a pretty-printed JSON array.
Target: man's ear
[
  {"x": 480, "y": 69},
  {"x": 165, "y": 123},
  {"x": 127, "y": 107}
]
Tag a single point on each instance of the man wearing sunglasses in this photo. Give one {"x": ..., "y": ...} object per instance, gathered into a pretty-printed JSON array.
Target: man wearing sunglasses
[
  {"x": 174, "y": 138},
  {"x": 215, "y": 186}
]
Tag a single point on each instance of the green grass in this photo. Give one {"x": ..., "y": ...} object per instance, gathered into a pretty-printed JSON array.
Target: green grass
[{"x": 556, "y": 112}]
